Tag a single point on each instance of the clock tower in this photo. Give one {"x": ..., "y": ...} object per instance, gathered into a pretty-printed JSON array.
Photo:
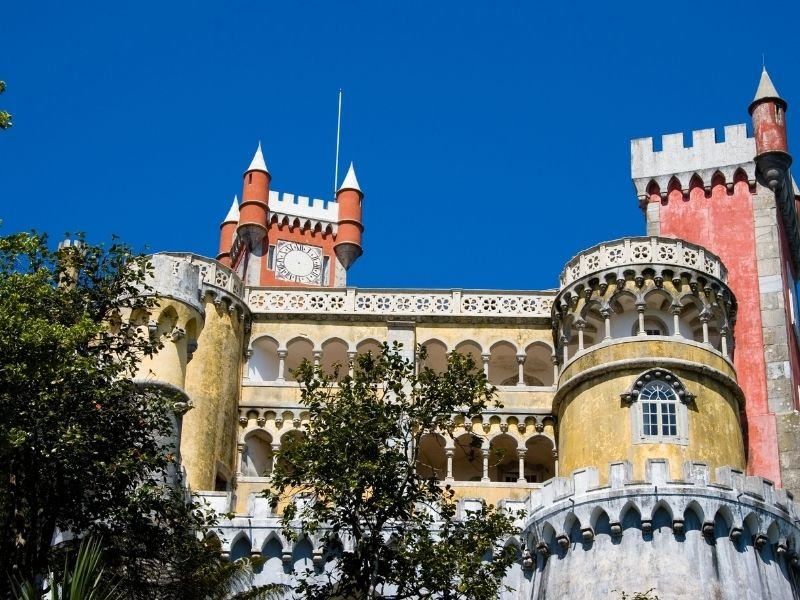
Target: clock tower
[{"x": 283, "y": 239}]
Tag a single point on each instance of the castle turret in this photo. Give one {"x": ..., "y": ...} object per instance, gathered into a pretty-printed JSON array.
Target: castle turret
[
  {"x": 226, "y": 232},
  {"x": 348, "y": 239},
  {"x": 734, "y": 195},
  {"x": 255, "y": 201},
  {"x": 768, "y": 111},
  {"x": 644, "y": 333},
  {"x": 176, "y": 320}
]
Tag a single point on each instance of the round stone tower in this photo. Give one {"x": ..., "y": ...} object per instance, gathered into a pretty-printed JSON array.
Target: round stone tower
[
  {"x": 176, "y": 320},
  {"x": 642, "y": 328},
  {"x": 648, "y": 413},
  {"x": 213, "y": 380}
]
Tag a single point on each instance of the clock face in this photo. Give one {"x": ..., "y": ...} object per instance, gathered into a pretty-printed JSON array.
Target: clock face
[{"x": 298, "y": 262}]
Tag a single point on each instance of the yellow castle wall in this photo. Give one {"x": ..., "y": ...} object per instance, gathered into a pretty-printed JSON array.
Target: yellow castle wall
[{"x": 596, "y": 426}]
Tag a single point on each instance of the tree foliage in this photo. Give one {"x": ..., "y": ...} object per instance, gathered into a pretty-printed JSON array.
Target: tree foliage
[
  {"x": 5, "y": 116},
  {"x": 83, "y": 449},
  {"x": 77, "y": 437},
  {"x": 355, "y": 471}
]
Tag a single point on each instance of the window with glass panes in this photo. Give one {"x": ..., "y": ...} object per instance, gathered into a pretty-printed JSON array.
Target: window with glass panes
[{"x": 659, "y": 410}]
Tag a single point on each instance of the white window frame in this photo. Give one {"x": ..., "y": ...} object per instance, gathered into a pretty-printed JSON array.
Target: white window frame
[{"x": 668, "y": 384}]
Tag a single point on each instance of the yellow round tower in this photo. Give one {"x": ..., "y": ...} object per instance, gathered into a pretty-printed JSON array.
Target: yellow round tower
[
  {"x": 643, "y": 329},
  {"x": 177, "y": 321},
  {"x": 213, "y": 381}
]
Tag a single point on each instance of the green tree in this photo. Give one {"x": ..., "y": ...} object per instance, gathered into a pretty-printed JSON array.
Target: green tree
[
  {"x": 86, "y": 579},
  {"x": 77, "y": 437},
  {"x": 5, "y": 117},
  {"x": 84, "y": 450},
  {"x": 356, "y": 469}
]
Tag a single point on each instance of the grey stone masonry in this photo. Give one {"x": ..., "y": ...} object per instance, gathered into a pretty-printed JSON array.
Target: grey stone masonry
[
  {"x": 774, "y": 327},
  {"x": 734, "y": 538},
  {"x": 704, "y": 157}
]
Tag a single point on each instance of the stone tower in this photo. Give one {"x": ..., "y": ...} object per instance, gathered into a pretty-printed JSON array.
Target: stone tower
[
  {"x": 283, "y": 240},
  {"x": 648, "y": 418},
  {"x": 737, "y": 198}
]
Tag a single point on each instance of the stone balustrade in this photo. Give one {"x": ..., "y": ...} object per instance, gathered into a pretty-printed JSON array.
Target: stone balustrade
[
  {"x": 212, "y": 274},
  {"x": 454, "y": 303},
  {"x": 643, "y": 251}
]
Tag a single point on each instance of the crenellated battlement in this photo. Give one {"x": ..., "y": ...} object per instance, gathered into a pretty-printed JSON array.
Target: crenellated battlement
[
  {"x": 733, "y": 498},
  {"x": 310, "y": 212},
  {"x": 704, "y": 158}
]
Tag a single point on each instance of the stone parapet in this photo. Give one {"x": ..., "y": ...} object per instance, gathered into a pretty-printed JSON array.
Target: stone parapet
[
  {"x": 177, "y": 279},
  {"x": 733, "y": 537},
  {"x": 406, "y": 304},
  {"x": 739, "y": 499},
  {"x": 704, "y": 157},
  {"x": 643, "y": 251},
  {"x": 310, "y": 211},
  {"x": 214, "y": 278}
]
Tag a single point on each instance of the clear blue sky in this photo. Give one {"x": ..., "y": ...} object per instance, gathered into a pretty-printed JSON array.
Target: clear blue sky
[{"x": 491, "y": 139}]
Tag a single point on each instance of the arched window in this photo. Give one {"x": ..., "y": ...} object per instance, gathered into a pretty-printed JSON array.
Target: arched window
[
  {"x": 659, "y": 410},
  {"x": 658, "y": 401},
  {"x": 652, "y": 326}
]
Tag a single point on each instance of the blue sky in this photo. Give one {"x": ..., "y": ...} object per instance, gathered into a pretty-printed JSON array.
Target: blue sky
[{"x": 491, "y": 139}]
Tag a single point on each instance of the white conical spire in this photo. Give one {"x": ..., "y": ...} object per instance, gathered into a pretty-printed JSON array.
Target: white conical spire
[
  {"x": 350, "y": 182},
  {"x": 766, "y": 89},
  {"x": 258, "y": 164},
  {"x": 233, "y": 213}
]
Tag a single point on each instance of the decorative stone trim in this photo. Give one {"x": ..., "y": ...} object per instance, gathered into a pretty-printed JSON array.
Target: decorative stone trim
[
  {"x": 632, "y": 395},
  {"x": 643, "y": 251},
  {"x": 351, "y": 301}
]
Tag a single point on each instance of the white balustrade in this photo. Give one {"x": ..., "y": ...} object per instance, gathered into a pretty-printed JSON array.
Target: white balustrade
[
  {"x": 643, "y": 250},
  {"x": 375, "y": 302}
]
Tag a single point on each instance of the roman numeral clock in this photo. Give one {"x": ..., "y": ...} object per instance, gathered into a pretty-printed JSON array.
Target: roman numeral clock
[{"x": 298, "y": 263}]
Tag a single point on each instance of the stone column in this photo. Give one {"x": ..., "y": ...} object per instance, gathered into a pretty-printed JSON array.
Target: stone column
[
  {"x": 520, "y": 370},
  {"x": 640, "y": 308},
  {"x": 554, "y": 359},
  {"x": 248, "y": 354},
  {"x": 281, "y": 366},
  {"x": 239, "y": 458},
  {"x": 564, "y": 341},
  {"x": 521, "y": 456},
  {"x": 606, "y": 314},
  {"x": 275, "y": 448},
  {"x": 448, "y": 452},
  {"x": 351, "y": 359},
  {"x": 723, "y": 339},
  {"x": 555, "y": 458},
  {"x": 676, "y": 321},
  {"x": 485, "y": 478},
  {"x": 317, "y": 357},
  {"x": 485, "y": 358},
  {"x": 704, "y": 318},
  {"x": 580, "y": 326}
]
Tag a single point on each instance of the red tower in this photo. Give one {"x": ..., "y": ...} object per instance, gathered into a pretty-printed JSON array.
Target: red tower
[
  {"x": 735, "y": 197},
  {"x": 255, "y": 202},
  {"x": 227, "y": 231},
  {"x": 768, "y": 111},
  {"x": 348, "y": 239}
]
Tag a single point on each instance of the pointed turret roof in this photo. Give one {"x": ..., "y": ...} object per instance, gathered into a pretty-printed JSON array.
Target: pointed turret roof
[
  {"x": 233, "y": 213},
  {"x": 258, "y": 164},
  {"x": 350, "y": 182},
  {"x": 766, "y": 89}
]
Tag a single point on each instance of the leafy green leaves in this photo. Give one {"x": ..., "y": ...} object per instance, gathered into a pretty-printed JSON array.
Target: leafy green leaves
[
  {"x": 5, "y": 117},
  {"x": 355, "y": 469}
]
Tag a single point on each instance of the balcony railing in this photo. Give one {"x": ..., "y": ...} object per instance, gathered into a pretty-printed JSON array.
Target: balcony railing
[
  {"x": 408, "y": 303},
  {"x": 643, "y": 250}
]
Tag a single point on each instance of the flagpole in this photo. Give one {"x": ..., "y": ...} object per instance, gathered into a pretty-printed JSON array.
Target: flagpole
[{"x": 338, "y": 138}]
